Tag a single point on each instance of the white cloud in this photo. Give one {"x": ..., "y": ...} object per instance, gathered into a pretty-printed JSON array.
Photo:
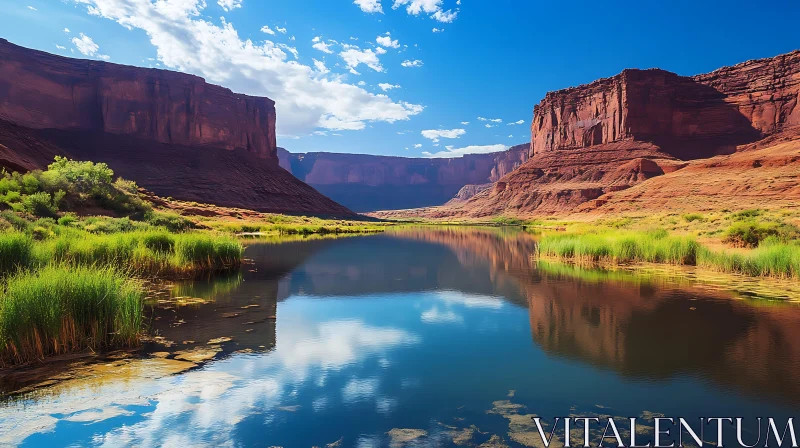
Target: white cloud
[
  {"x": 185, "y": 41},
  {"x": 517, "y": 122},
  {"x": 445, "y": 16},
  {"x": 268, "y": 30},
  {"x": 370, "y": 6},
  {"x": 414, "y": 63},
  {"x": 386, "y": 41},
  {"x": 418, "y": 145},
  {"x": 66, "y": 30},
  {"x": 32, "y": 8},
  {"x": 227, "y": 5},
  {"x": 385, "y": 87},
  {"x": 432, "y": 7},
  {"x": 87, "y": 47},
  {"x": 60, "y": 47},
  {"x": 436, "y": 134},
  {"x": 354, "y": 56},
  {"x": 322, "y": 46},
  {"x": 458, "y": 152},
  {"x": 280, "y": 30},
  {"x": 493, "y": 120},
  {"x": 320, "y": 66},
  {"x": 489, "y": 125},
  {"x": 465, "y": 123},
  {"x": 438, "y": 30},
  {"x": 292, "y": 50}
]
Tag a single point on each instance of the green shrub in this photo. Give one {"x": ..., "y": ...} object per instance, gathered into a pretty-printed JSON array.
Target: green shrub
[
  {"x": 751, "y": 233},
  {"x": 61, "y": 310},
  {"x": 691, "y": 217},
  {"x": 746, "y": 214},
  {"x": 39, "y": 204},
  {"x": 169, "y": 221},
  {"x": 18, "y": 223},
  {"x": 68, "y": 219}
]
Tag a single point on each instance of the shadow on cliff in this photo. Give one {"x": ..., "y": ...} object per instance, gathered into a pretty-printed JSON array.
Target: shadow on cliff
[{"x": 703, "y": 124}]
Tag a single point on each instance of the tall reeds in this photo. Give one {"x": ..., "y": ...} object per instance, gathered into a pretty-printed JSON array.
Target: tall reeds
[{"x": 64, "y": 309}]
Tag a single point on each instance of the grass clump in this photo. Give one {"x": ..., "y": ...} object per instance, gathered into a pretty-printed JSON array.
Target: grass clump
[
  {"x": 16, "y": 251},
  {"x": 507, "y": 221},
  {"x": 691, "y": 217},
  {"x": 772, "y": 258},
  {"x": 150, "y": 253},
  {"x": 59, "y": 310},
  {"x": 627, "y": 247}
]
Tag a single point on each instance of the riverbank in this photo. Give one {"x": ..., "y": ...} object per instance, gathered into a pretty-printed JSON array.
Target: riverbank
[
  {"x": 76, "y": 243},
  {"x": 752, "y": 242}
]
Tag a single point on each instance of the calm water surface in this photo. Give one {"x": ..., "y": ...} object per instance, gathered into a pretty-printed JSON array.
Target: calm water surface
[{"x": 417, "y": 337}]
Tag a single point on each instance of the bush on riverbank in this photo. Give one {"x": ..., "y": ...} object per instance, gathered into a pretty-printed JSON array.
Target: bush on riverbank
[
  {"x": 66, "y": 185},
  {"x": 61, "y": 309}
]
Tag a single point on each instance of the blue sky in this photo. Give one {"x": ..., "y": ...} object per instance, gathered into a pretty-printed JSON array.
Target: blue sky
[{"x": 347, "y": 89}]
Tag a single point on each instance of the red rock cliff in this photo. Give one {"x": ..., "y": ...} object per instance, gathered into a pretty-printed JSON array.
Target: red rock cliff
[
  {"x": 43, "y": 91},
  {"x": 172, "y": 133},
  {"x": 618, "y": 132}
]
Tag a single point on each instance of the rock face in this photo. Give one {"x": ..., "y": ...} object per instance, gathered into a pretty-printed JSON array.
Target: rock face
[
  {"x": 43, "y": 91},
  {"x": 173, "y": 133},
  {"x": 614, "y": 133},
  {"x": 367, "y": 183}
]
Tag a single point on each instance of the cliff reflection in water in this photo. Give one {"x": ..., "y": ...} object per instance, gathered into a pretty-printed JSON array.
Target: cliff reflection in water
[{"x": 651, "y": 328}]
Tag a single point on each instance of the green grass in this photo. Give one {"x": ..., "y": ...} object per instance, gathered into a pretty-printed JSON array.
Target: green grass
[
  {"x": 313, "y": 227},
  {"x": 621, "y": 247},
  {"x": 772, "y": 258},
  {"x": 16, "y": 251},
  {"x": 150, "y": 253},
  {"x": 59, "y": 310}
]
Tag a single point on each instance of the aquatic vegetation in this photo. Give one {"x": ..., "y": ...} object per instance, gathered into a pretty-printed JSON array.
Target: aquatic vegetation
[
  {"x": 62, "y": 309},
  {"x": 622, "y": 247},
  {"x": 313, "y": 227},
  {"x": 774, "y": 257},
  {"x": 771, "y": 259},
  {"x": 143, "y": 253}
]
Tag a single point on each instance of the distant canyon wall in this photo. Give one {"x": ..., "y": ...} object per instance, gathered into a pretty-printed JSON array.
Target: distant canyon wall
[{"x": 368, "y": 183}]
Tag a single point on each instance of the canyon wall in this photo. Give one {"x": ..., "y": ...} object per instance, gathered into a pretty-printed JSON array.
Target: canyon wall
[
  {"x": 367, "y": 183},
  {"x": 615, "y": 133},
  {"x": 44, "y": 91},
  {"x": 172, "y": 133}
]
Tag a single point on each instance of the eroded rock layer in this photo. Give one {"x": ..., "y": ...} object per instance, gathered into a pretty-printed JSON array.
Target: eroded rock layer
[
  {"x": 367, "y": 183},
  {"x": 173, "y": 133}
]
